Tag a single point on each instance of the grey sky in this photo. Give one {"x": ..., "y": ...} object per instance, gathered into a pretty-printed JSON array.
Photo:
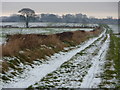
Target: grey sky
[{"x": 97, "y": 9}]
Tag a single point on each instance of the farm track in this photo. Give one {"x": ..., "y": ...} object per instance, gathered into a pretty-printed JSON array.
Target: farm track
[
  {"x": 67, "y": 69},
  {"x": 81, "y": 71}
]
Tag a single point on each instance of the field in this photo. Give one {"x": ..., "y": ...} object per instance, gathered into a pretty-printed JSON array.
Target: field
[
  {"x": 21, "y": 24},
  {"x": 22, "y": 30},
  {"x": 60, "y": 57}
]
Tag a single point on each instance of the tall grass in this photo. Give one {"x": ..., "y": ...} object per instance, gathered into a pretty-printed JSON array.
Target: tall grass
[{"x": 36, "y": 46}]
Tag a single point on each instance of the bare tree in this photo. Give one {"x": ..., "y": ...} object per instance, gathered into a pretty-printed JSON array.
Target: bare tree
[{"x": 27, "y": 14}]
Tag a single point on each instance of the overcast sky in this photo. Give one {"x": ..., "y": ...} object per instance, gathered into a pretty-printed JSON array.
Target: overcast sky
[{"x": 97, "y": 9}]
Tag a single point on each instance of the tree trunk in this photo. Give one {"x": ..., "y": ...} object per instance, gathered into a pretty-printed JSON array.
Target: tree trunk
[
  {"x": 27, "y": 24},
  {"x": 27, "y": 21}
]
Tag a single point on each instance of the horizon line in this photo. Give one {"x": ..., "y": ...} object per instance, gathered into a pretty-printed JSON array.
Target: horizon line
[{"x": 64, "y": 14}]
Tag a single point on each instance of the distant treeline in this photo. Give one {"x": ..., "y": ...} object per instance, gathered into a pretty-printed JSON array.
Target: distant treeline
[{"x": 68, "y": 18}]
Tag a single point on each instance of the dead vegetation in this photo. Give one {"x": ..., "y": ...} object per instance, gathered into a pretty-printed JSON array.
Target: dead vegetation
[{"x": 29, "y": 47}]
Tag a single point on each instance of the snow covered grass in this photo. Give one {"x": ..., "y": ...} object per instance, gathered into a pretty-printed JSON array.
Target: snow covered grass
[
  {"x": 10, "y": 31},
  {"x": 34, "y": 24},
  {"x": 92, "y": 79},
  {"x": 27, "y": 45},
  {"x": 110, "y": 77},
  {"x": 31, "y": 75},
  {"x": 92, "y": 64},
  {"x": 76, "y": 72}
]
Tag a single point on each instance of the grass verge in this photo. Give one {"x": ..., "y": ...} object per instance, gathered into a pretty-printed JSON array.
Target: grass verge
[{"x": 111, "y": 76}]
